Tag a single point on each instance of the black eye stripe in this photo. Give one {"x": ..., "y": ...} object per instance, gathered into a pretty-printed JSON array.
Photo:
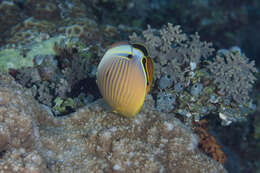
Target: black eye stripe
[
  {"x": 141, "y": 47},
  {"x": 129, "y": 56},
  {"x": 145, "y": 69},
  {"x": 144, "y": 61}
]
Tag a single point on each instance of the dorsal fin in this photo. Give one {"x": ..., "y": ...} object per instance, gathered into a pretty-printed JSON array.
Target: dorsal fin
[{"x": 118, "y": 44}]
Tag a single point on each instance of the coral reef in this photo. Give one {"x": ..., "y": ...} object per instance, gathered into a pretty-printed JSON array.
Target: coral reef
[
  {"x": 11, "y": 58},
  {"x": 183, "y": 69},
  {"x": 29, "y": 32},
  {"x": 17, "y": 58},
  {"x": 19, "y": 133},
  {"x": 93, "y": 139},
  {"x": 170, "y": 47},
  {"x": 63, "y": 81},
  {"x": 37, "y": 21},
  {"x": 233, "y": 74},
  {"x": 185, "y": 83},
  {"x": 84, "y": 29},
  {"x": 220, "y": 22},
  {"x": 47, "y": 10},
  {"x": 74, "y": 60}
]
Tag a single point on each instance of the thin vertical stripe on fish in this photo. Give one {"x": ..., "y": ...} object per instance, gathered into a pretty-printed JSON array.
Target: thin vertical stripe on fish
[{"x": 124, "y": 77}]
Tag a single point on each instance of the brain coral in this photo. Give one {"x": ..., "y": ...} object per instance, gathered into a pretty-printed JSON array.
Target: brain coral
[{"x": 93, "y": 139}]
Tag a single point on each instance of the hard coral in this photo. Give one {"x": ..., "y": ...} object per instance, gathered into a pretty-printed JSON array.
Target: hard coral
[
  {"x": 233, "y": 74},
  {"x": 102, "y": 141},
  {"x": 19, "y": 134},
  {"x": 84, "y": 29},
  {"x": 94, "y": 139},
  {"x": 173, "y": 51},
  {"x": 183, "y": 59},
  {"x": 30, "y": 31},
  {"x": 47, "y": 10}
]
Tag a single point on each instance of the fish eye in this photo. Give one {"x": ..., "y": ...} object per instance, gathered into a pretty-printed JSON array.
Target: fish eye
[{"x": 129, "y": 56}]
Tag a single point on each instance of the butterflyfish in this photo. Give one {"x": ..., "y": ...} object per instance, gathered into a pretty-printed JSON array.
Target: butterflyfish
[{"x": 124, "y": 77}]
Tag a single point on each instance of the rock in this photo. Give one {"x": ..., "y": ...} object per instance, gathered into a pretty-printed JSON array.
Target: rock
[
  {"x": 19, "y": 134},
  {"x": 94, "y": 139}
]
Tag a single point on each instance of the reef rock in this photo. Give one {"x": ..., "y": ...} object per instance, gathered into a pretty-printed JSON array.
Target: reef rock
[
  {"x": 19, "y": 133},
  {"x": 93, "y": 139}
]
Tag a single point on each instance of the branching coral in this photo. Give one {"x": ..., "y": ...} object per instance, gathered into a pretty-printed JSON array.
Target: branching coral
[
  {"x": 200, "y": 88},
  {"x": 173, "y": 50},
  {"x": 233, "y": 73}
]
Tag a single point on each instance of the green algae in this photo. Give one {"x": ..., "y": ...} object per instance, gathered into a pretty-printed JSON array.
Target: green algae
[
  {"x": 15, "y": 58},
  {"x": 61, "y": 105},
  {"x": 12, "y": 58}
]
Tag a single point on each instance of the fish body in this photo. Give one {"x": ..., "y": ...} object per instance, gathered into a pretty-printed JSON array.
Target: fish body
[{"x": 124, "y": 77}]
